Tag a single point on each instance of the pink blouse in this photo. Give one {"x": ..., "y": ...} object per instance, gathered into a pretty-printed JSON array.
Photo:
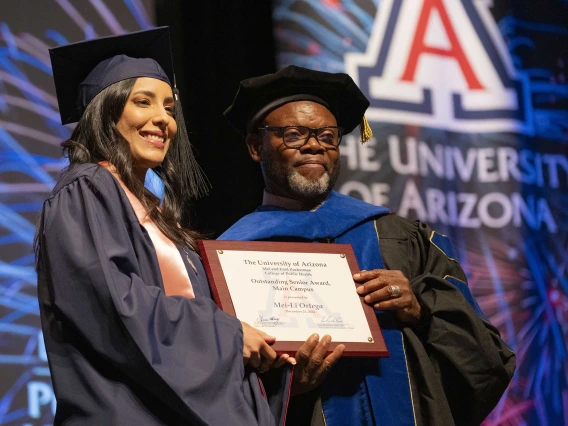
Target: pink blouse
[{"x": 174, "y": 274}]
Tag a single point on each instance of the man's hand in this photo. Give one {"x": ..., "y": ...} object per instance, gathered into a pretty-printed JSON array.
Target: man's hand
[
  {"x": 312, "y": 364},
  {"x": 389, "y": 291},
  {"x": 257, "y": 352}
]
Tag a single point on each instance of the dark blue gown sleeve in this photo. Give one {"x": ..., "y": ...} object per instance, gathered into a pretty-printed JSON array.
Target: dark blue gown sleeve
[{"x": 186, "y": 352}]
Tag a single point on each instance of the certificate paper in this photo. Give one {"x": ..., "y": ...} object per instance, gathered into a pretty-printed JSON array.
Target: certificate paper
[
  {"x": 292, "y": 290},
  {"x": 308, "y": 291}
]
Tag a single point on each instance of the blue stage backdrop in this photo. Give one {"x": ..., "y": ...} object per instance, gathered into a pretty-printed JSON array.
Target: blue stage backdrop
[
  {"x": 30, "y": 159},
  {"x": 469, "y": 106}
]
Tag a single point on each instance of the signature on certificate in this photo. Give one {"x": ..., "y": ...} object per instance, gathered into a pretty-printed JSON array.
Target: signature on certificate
[
  {"x": 262, "y": 318},
  {"x": 331, "y": 319}
]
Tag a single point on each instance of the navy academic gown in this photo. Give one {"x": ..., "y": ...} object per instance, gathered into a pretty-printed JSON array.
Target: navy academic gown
[
  {"x": 452, "y": 369},
  {"x": 120, "y": 351}
]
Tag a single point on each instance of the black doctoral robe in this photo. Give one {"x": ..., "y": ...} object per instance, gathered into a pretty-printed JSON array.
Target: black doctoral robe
[
  {"x": 451, "y": 370},
  {"x": 120, "y": 351}
]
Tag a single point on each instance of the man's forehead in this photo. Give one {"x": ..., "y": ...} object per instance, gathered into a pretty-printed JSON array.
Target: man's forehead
[{"x": 301, "y": 110}]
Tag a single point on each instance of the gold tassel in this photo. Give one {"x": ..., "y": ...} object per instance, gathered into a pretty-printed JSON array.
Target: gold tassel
[{"x": 365, "y": 129}]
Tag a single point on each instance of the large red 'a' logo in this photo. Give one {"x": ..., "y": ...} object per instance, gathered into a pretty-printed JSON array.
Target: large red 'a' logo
[{"x": 443, "y": 64}]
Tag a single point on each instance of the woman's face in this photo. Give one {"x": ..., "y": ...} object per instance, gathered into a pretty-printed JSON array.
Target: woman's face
[{"x": 147, "y": 121}]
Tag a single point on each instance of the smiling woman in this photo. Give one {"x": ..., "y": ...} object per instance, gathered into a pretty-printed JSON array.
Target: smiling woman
[
  {"x": 131, "y": 331},
  {"x": 147, "y": 123}
]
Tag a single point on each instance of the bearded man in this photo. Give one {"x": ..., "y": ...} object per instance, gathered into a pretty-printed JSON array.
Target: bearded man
[{"x": 447, "y": 364}]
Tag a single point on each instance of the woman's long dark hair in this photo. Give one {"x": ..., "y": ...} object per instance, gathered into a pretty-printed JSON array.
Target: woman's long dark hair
[{"x": 97, "y": 139}]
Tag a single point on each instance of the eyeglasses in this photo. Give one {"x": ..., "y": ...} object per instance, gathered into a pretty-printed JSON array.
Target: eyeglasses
[{"x": 296, "y": 137}]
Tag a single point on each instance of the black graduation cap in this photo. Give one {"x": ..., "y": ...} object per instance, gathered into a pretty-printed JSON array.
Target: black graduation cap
[
  {"x": 257, "y": 96},
  {"x": 81, "y": 70}
]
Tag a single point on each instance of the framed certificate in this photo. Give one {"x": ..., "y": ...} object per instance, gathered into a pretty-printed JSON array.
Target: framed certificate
[{"x": 292, "y": 290}]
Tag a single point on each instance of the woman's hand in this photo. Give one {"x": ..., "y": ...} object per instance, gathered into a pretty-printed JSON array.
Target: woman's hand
[{"x": 257, "y": 352}]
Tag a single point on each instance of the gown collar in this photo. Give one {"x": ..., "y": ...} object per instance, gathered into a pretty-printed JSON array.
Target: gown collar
[{"x": 336, "y": 215}]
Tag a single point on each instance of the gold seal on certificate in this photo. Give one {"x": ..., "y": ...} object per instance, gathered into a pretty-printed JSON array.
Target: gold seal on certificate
[{"x": 292, "y": 290}]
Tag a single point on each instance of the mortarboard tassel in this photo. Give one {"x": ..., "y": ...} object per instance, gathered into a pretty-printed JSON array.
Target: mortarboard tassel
[
  {"x": 196, "y": 184},
  {"x": 365, "y": 129}
]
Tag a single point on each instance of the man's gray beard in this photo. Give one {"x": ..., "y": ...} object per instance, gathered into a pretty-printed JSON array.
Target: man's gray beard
[
  {"x": 308, "y": 188},
  {"x": 300, "y": 187}
]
